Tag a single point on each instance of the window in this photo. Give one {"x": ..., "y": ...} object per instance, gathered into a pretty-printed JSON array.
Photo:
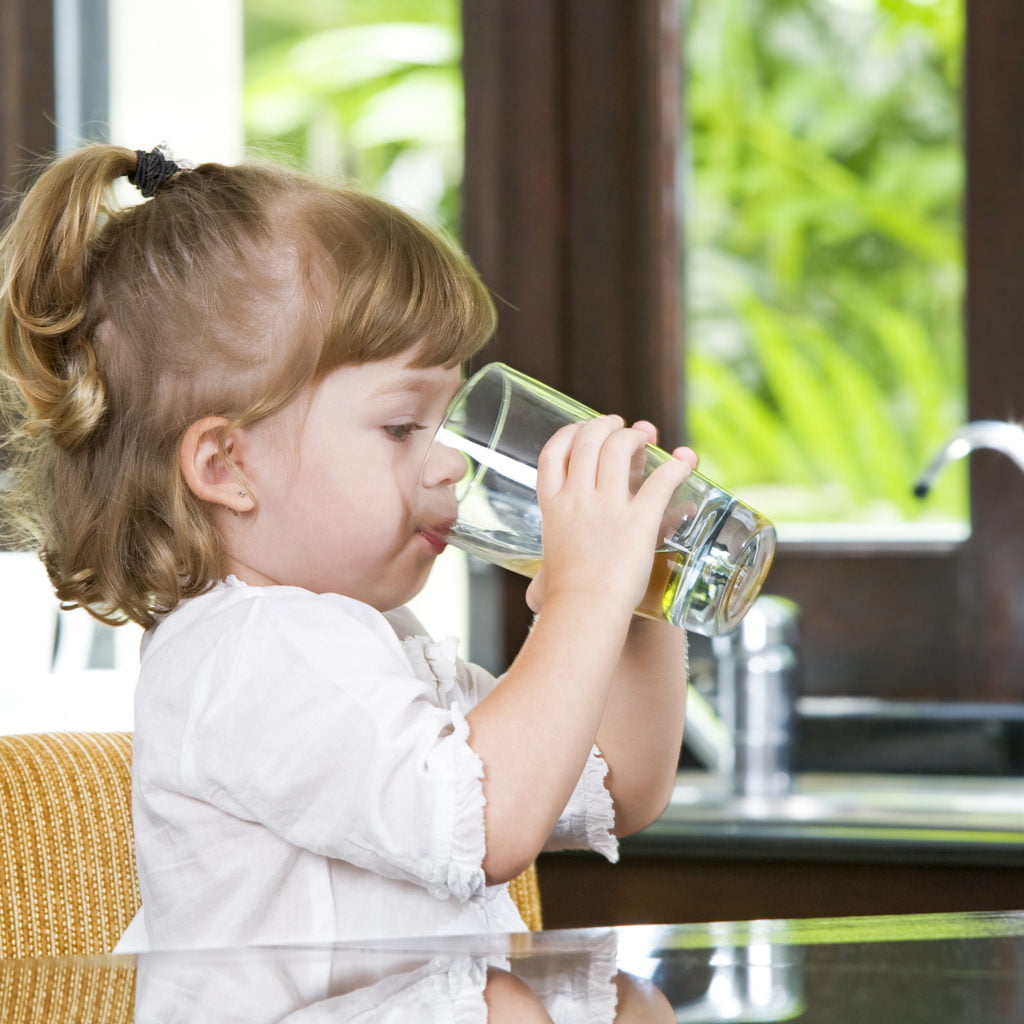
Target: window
[
  {"x": 363, "y": 91},
  {"x": 572, "y": 136}
]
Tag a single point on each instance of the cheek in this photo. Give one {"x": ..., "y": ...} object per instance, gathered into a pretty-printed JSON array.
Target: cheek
[
  {"x": 368, "y": 504},
  {"x": 365, "y": 489}
]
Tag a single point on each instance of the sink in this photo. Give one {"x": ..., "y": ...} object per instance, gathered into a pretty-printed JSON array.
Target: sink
[
  {"x": 830, "y": 798},
  {"x": 823, "y": 811}
]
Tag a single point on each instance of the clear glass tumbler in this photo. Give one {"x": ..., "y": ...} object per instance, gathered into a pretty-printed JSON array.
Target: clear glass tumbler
[{"x": 715, "y": 550}]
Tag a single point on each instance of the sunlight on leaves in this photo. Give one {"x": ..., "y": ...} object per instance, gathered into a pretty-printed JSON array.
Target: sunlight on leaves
[{"x": 824, "y": 252}]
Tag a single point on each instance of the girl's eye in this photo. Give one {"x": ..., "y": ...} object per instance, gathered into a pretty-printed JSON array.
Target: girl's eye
[{"x": 402, "y": 431}]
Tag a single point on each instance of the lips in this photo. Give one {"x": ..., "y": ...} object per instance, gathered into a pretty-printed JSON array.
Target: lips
[
  {"x": 433, "y": 540},
  {"x": 434, "y": 514},
  {"x": 437, "y": 534}
]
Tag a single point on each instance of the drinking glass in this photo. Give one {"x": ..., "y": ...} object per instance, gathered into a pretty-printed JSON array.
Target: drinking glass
[{"x": 715, "y": 551}]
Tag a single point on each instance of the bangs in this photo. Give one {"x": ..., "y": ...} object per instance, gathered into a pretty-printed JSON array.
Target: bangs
[{"x": 393, "y": 285}]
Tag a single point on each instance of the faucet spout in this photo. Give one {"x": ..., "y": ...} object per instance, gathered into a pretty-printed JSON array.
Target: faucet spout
[{"x": 1007, "y": 438}]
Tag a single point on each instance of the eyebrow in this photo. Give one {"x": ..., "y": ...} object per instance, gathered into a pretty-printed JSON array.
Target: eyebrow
[{"x": 413, "y": 384}]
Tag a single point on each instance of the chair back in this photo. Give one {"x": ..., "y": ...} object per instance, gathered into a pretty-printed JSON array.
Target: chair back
[
  {"x": 525, "y": 892},
  {"x": 80, "y": 990},
  {"x": 67, "y": 856}
]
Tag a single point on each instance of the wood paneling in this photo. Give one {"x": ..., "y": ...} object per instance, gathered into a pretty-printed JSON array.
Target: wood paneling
[
  {"x": 27, "y": 93},
  {"x": 580, "y": 890}
]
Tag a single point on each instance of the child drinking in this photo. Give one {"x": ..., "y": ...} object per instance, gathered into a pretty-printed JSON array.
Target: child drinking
[{"x": 228, "y": 393}]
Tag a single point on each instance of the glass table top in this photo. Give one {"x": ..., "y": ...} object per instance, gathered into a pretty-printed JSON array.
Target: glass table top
[{"x": 947, "y": 968}]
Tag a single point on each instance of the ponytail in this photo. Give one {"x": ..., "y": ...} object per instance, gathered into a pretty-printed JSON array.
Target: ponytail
[{"x": 46, "y": 256}]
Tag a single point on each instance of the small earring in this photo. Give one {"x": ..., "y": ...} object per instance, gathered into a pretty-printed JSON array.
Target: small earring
[{"x": 243, "y": 493}]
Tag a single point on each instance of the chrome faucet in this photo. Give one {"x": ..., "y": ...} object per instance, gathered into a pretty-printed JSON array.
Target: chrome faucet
[
  {"x": 1007, "y": 438},
  {"x": 758, "y": 670},
  {"x": 745, "y": 733}
]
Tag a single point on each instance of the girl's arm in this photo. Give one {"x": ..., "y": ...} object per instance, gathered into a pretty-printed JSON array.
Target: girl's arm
[
  {"x": 641, "y": 733},
  {"x": 535, "y": 731}
]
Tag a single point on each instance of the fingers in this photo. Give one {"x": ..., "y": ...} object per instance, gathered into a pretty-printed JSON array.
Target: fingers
[
  {"x": 623, "y": 457},
  {"x": 603, "y": 497},
  {"x": 535, "y": 592},
  {"x": 648, "y": 429},
  {"x": 651, "y": 432},
  {"x": 575, "y": 449},
  {"x": 595, "y": 451},
  {"x": 553, "y": 463},
  {"x": 687, "y": 455},
  {"x": 658, "y": 488},
  {"x": 599, "y": 439}
]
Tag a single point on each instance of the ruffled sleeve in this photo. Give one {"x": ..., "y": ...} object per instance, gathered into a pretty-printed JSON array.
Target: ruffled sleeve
[
  {"x": 589, "y": 817},
  {"x": 577, "y": 986}
]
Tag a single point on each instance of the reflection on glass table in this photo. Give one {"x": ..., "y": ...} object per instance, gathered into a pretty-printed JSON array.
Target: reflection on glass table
[{"x": 954, "y": 968}]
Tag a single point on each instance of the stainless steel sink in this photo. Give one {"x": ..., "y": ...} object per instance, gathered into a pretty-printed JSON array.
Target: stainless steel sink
[{"x": 832, "y": 810}]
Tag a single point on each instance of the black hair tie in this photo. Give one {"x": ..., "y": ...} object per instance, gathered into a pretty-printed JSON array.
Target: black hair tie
[{"x": 152, "y": 169}]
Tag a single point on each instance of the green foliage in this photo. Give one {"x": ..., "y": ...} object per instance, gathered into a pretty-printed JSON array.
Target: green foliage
[
  {"x": 824, "y": 188},
  {"x": 362, "y": 90},
  {"x": 824, "y": 269}
]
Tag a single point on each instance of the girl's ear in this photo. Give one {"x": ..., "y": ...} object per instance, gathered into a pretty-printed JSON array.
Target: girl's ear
[{"x": 211, "y": 461}]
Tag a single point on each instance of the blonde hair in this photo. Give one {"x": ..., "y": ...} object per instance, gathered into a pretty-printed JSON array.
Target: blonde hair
[{"x": 227, "y": 294}]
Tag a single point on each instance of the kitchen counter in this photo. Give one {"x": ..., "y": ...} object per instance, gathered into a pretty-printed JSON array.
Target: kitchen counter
[
  {"x": 927, "y": 819},
  {"x": 834, "y": 845}
]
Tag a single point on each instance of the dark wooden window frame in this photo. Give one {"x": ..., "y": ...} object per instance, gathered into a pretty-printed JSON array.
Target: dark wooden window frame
[
  {"x": 571, "y": 211},
  {"x": 27, "y": 92}
]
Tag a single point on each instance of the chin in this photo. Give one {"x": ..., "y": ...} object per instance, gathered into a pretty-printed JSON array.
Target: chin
[
  {"x": 413, "y": 591},
  {"x": 385, "y": 602}
]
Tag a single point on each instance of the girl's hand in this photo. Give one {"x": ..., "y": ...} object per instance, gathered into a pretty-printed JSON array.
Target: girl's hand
[
  {"x": 601, "y": 523},
  {"x": 687, "y": 455}
]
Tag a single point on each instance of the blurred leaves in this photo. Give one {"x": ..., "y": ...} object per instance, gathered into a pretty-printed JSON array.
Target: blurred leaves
[
  {"x": 824, "y": 192},
  {"x": 825, "y": 275},
  {"x": 361, "y": 90}
]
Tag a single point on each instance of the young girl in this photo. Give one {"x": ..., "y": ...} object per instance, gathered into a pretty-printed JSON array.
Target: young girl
[{"x": 229, "y": 391}]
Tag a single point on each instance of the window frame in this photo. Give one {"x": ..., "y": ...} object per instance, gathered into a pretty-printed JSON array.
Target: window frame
[
  {"x": 571, "y": 211},
  {"x": 28, "y": 88}
]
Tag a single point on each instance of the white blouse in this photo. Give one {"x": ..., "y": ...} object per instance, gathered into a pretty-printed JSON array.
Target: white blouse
[{"x": 301, "y": 773}]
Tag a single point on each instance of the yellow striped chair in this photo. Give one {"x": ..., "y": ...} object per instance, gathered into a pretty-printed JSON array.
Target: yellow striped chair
[
  {"x": 67, "y": 860},
  {"x": 67, "y": 877}
]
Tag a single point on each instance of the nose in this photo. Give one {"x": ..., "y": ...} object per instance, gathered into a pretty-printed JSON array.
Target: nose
[{"x": 443, "y": 466}]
